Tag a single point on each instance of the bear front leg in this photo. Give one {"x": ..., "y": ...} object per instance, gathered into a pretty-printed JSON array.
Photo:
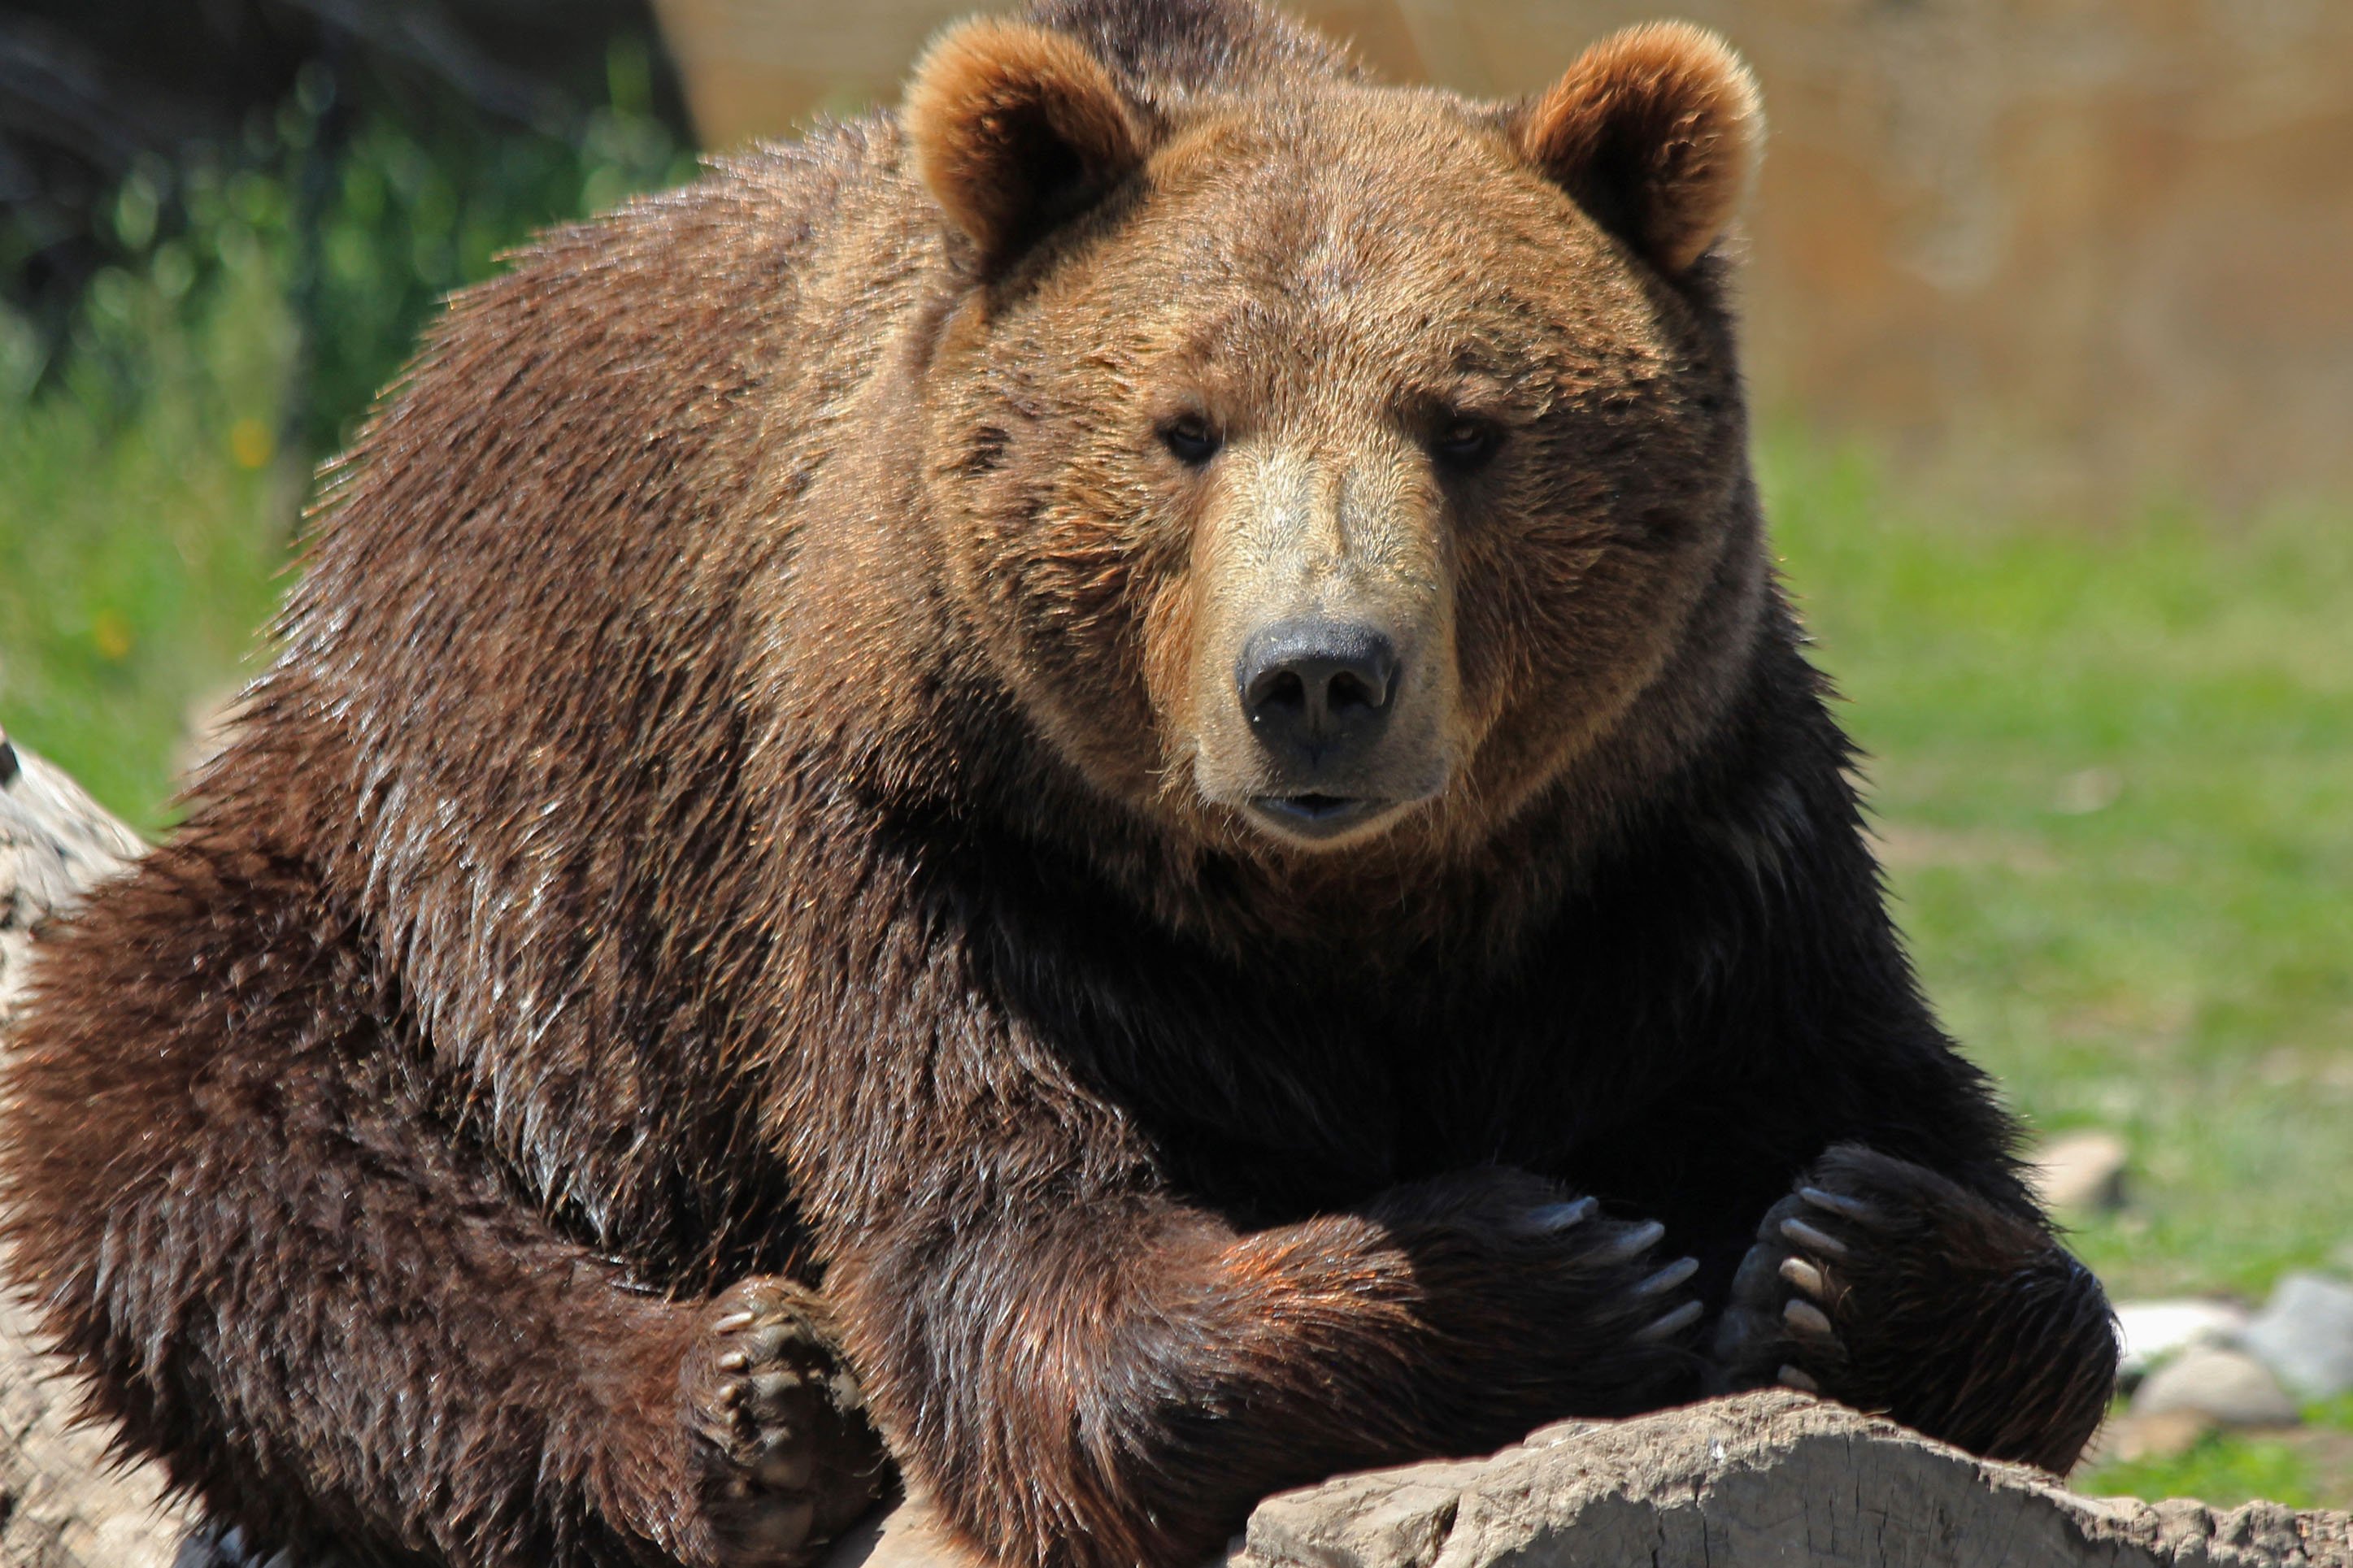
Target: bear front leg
[
  {"x": 1889, "y": 1288},
  {"x": 1118, "y": 1383},
  {"x": 337, "y": 1323}
]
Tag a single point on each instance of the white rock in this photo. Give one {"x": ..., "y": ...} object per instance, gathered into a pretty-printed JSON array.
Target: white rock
[
  {"x": 2232, "y": 1386},
  {"x": 2082, "y": 1172},
  {"x": 2149, "y": 1332},
  {"x": 2305, "y": 1336},
  {"x": 1763, "y": 1481}
]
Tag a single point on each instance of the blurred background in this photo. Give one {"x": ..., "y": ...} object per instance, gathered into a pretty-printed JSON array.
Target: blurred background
[{"x": 2050, "y": 327}]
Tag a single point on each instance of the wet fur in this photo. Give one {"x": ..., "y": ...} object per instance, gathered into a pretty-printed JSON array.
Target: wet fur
[{"x": 655, "y": 860}]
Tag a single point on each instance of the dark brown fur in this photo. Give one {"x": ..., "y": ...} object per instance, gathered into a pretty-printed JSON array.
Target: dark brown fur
[{"x": 740, "y": 802}]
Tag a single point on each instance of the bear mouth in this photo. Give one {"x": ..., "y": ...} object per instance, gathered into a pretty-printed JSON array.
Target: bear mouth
[{"x": 1315, "y": 815}]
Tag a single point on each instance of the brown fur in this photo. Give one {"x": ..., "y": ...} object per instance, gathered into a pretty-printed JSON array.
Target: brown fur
[
  {"x": 1015, "y": 127},
  {"x": 1658, "y": 131},
  {"x": 747, "y": 832}
]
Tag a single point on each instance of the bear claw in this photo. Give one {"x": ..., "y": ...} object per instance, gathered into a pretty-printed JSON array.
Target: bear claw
[
  {"x": 1808, "y": 1321},
  {"x": 1839, "y": 1204},
  {"x": 1551, "y": 1218},
  {"x": 1674, "y": 1323},
  {"x": 1805, "y": 1277},
  {"x": 1634, "y": 1242},
  {"x": 1782, "y": 1323},
  {"x": 1811, "y": 1239},
  {"x": 1667, "y": 1278}
]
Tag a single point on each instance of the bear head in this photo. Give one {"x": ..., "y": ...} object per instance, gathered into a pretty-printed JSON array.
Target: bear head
[{"x": 1326, "y": 464}]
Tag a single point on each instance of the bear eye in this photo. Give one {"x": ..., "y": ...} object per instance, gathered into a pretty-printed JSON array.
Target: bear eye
[
  {"x": 1463, "y": 442},
  {"x": 1191, "y": 440}
]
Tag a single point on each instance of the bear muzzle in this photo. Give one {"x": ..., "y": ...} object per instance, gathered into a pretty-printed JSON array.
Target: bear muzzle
[
  {"x": 1324, "y": 736},
  {"x": 1321, "y": 682},
  {"x": 1318, "y": 694}
]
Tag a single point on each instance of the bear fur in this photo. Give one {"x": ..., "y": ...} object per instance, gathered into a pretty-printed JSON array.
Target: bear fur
[{"x": 777, "y": 889}]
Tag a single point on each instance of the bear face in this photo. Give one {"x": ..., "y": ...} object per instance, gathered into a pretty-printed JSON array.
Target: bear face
[{"x": 1342, "y": 465}]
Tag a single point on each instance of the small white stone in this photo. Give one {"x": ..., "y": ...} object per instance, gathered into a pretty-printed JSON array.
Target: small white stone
[
  {"x": 2232, "y": 1386},
  {"x": 2149, "y": 1332},
  {"x": 2305, "y": 1336},
  {"x": 2082, "y": 1172}
]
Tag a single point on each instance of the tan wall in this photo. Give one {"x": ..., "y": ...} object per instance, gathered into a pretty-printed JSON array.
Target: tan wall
[{"x": 2074, "y": 249}]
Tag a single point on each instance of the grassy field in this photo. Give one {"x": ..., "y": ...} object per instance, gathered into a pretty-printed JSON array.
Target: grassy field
[
  {"x": 2114, "y": 779},
  {"x": 2113, "y": 769}
]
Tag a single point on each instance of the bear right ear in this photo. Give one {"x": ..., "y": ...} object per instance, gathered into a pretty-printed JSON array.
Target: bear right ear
[
  {"x": 1656, "y": 132},
  {"x": 1015, "y": 130}
]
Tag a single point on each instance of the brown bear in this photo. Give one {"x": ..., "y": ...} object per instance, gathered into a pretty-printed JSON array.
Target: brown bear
[{"x": 1108, "y": 773}]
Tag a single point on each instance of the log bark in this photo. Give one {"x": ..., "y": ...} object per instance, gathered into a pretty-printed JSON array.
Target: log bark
[{"x": 1771, "y": 1477}]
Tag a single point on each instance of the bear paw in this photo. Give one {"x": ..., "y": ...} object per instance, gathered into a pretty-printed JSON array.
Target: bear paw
[
  {"x": 785, "y": 1457},
  {"x": 1790, "y": 1294},
  {"x": 1547, "y": 1291},
  {"x": 1651, "y": 1302},
  {"x": 1893, "y": 1289}
]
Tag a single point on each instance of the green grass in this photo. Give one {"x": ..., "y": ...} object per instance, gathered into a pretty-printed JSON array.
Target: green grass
[
  {"x": 2113, "y": 769},
  {"x": 2223, "y": 1470},
  {"x": 138, "y": 541},
  {"x": 2310, "y": 1466}
]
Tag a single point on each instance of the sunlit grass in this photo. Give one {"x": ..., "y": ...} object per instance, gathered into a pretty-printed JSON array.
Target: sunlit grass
[
  {"x": 2218, "y": 1469},
  {"x": 2114, "y": 773}
]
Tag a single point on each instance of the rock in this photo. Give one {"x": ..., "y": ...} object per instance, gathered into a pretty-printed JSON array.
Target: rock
[
  {"x": 1764, "y": 1478},
  {"x": 2230, "y": 1386},
  {"x": 2149, "y": 1331},
  {"x": 2304, "y": 1335},
  {"x": 2163, "y": 1435},
  {"x": 2082, "y": 1172},
  {"x": 63, "y": 1503}
]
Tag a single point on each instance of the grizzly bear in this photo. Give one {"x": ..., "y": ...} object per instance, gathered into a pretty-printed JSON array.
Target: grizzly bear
[{"x": 1094, "y": 796}]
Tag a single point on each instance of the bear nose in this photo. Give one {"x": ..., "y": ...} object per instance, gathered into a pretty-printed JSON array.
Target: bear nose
[{"x": 1310, "y": 687}]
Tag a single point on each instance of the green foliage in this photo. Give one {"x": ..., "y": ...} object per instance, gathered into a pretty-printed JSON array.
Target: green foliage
[
  {"x": 268, "y": 292},
  {"x": 139, "y": 538},
  {"x": 414, "y": 211},
  {"x": 2220, "y": 1469},
  {"x": 361, "y": 231}
]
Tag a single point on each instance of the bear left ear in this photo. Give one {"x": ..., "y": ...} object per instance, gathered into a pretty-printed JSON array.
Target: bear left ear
[
  {"x": 1656, "y": 132},
  {"x": 1015, "y": 130}
]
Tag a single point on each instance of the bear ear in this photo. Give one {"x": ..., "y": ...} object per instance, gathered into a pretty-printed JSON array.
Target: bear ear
[
  {"x": 1015, "y": 130},
  {"x": 1656, "y": 130}
]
